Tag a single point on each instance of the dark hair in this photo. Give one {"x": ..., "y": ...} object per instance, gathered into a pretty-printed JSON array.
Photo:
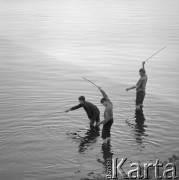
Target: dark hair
[
  {"x": 103, "y": 100},
  {"x": 81, "y": 98},
  {"x": 142, "y": 70}
]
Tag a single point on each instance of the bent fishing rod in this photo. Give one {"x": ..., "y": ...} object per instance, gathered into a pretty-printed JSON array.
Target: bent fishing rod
[
  {"x": 154, "y": 54},
  {"x": 90, "y": 82}
]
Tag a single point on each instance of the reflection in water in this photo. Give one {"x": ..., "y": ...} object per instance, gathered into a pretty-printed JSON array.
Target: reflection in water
[
  {"x": 138, "y": 128},
  {"x": 107, "y": 155},
  {"x": 89, "y": 138},
  {"x": 85, "y": 141}
]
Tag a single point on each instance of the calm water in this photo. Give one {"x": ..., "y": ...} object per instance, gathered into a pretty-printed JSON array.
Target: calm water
[{"x": 45, "y": 49}]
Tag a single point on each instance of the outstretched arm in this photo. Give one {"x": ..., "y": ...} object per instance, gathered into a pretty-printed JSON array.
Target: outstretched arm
[
  {"x": 139, "y": 82},
  {"x": 133, "y": 87},
  {"x": 73, "y": 108},
  {"x": 136, "y": 86},
  {"x": 103, "y": 93}
]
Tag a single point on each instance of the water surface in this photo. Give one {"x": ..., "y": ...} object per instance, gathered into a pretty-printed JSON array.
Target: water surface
[{"x": 47, "y": 47}]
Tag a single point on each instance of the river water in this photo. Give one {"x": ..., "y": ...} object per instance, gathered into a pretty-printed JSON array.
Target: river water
[{"x": 46, "y": 47}]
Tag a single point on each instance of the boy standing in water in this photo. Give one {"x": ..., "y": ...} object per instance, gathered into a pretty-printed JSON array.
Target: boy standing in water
[
  {"x": 91, "y": 110},
  {"x": 140, "y": 88},
  {"x": 108, "y": 117}
]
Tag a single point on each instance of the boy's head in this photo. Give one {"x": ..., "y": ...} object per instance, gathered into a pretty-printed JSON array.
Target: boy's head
[
  {"x": 81, "y": 99},
  {"x": 142, "y": 72},
  {"x": 104, "y": 101}
]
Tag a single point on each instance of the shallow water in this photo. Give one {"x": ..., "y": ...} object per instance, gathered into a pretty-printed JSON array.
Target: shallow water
[{"x": 47, "y": 47}]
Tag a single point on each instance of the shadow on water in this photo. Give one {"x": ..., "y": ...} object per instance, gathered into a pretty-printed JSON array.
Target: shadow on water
[
  {"x": 107, "y": 155},
  {"x": 85, "y": 140},
  {"x": 139, "y": 128},
  {"x": 89, "y": 138}
]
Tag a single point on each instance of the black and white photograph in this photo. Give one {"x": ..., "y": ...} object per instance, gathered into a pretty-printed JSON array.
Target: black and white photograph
[{"x": 89, "y": 89}]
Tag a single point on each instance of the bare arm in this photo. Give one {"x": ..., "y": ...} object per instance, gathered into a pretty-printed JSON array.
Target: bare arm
[
  {"x": 102, "y": 122},
  {"x": 133, "y": 87},
  {"x": 109, "y": 116},
  {"x": 136, "y": 86},
  {"x": 104, "y": 94},
  {"x": 139, "y": 82}
]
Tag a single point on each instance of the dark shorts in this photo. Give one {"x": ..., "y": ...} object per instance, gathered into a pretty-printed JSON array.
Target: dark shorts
[
  {"x": 106, "y": 129},
  {"x": 140, "y": 97}
]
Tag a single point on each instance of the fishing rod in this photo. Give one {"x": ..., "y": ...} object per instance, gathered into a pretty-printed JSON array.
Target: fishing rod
[
  {"x": 91, "y": 82},
  {"x": 155, "y": 54}
]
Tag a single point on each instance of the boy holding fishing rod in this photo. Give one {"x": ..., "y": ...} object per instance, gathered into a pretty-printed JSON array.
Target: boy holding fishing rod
[
  {"x": 108, "y": 116},
  {"x": 141, "y": 84},
  {"x": 108, "y": 113},
  {"x": 140, "y": 88}
]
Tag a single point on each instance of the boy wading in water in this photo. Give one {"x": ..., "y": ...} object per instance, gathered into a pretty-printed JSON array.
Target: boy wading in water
[
  {"x": 108, "y": 117},
  {"x": 91, "y": 110},
  {"x": 140, "y": 88}
]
